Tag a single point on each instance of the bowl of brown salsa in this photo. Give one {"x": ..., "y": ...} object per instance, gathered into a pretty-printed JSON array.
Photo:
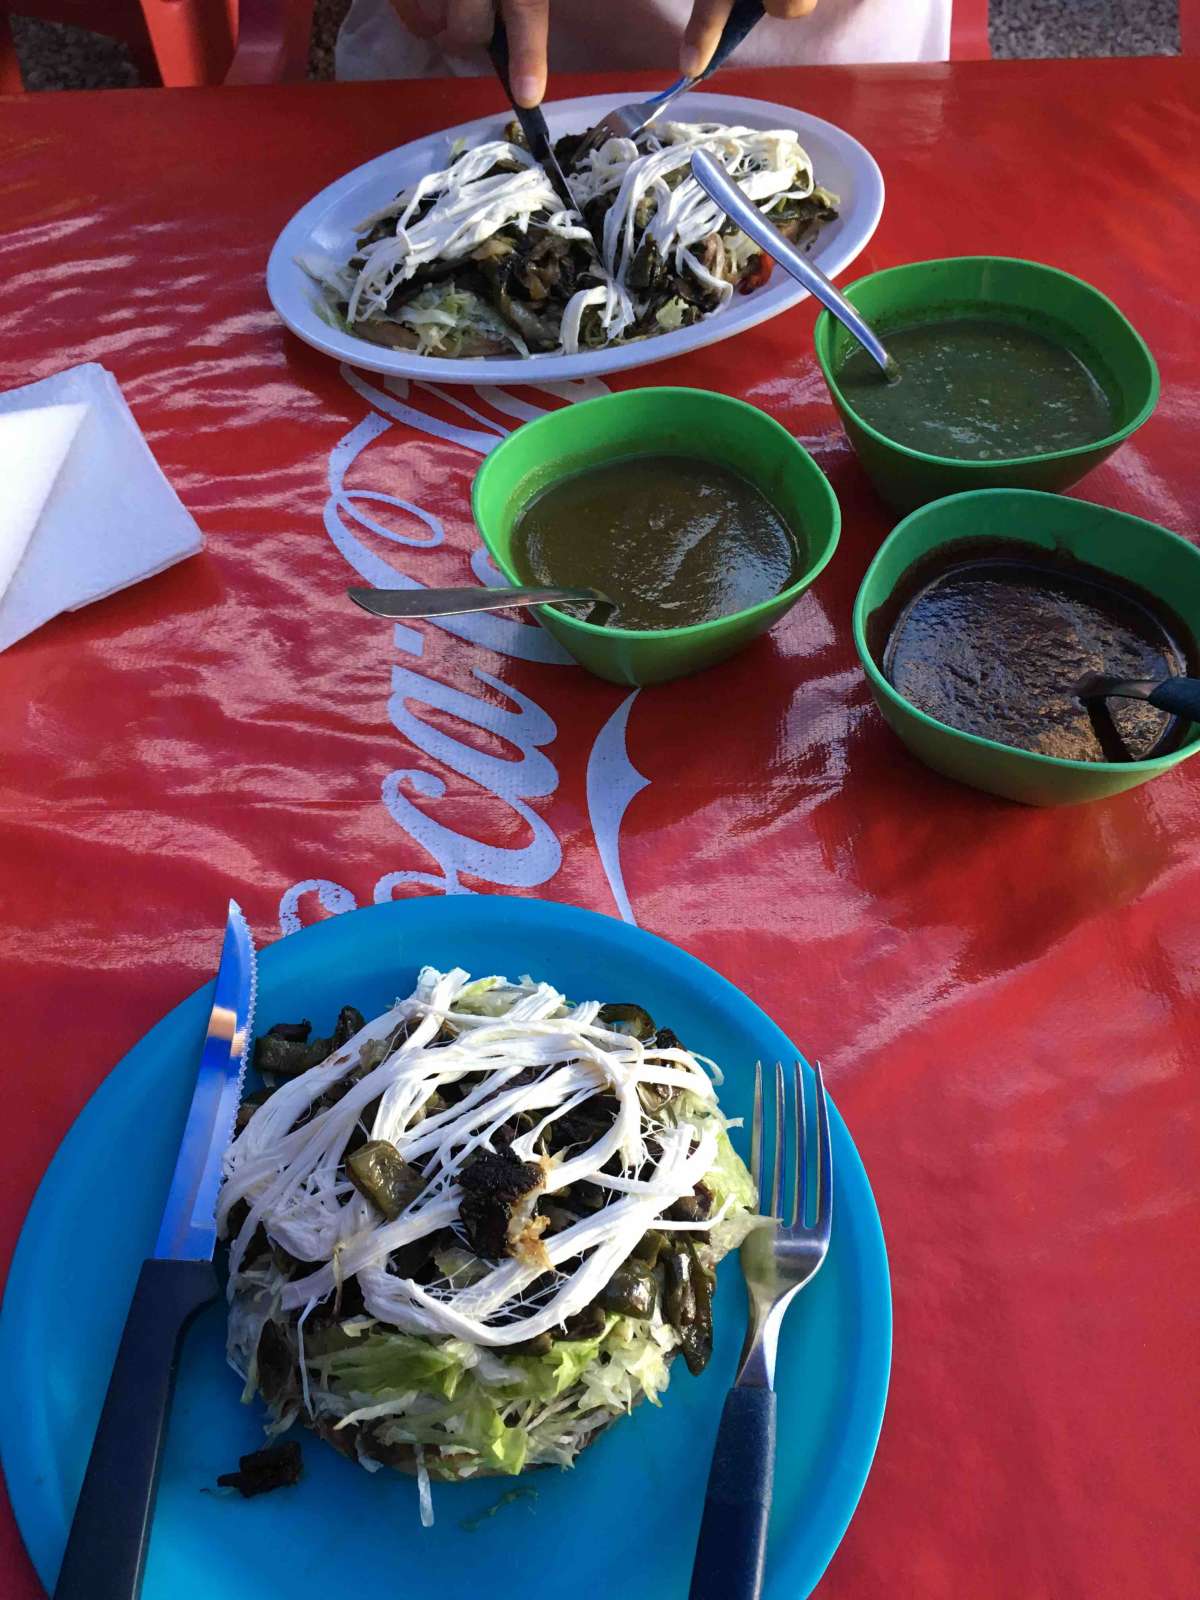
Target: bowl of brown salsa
[
  {"x": 698, "y": 518},
  {"x": 980, "y": 614}
]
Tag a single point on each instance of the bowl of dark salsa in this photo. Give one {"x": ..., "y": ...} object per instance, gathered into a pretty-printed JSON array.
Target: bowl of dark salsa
[
  {"x": 981, "y": 612},
  {"x": 698, "y": 518},
  {"x": 1012, "y": 375}
]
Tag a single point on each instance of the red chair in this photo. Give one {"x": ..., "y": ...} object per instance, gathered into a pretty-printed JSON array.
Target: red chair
[
  {"x": 969, "y": 31},
  {"x": 1189, "y": 27},
  {"x": 182, "y": 43}
]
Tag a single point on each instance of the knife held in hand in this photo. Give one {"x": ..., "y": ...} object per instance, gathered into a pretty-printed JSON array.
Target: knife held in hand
[{"x": 531, "y": 118}]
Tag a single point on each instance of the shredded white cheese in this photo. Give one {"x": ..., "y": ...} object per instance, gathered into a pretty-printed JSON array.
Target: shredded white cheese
[
  {"x": 540, "y": 1057},
  {"x": 655, "y": 197}
]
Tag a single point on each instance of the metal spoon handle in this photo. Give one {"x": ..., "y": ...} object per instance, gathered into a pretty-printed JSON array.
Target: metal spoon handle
[
  {"x": 718, "y": 185},
  {"x": 451, "y": 602}
]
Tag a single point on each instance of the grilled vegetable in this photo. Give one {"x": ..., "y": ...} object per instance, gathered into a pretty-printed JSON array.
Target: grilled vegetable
[
  {"x": 628, "y": 1019},
  {"x": 378, "y": 1171},
  {"x": 631, "y": 1291}
]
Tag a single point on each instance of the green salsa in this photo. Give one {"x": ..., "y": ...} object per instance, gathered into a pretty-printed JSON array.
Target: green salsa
[
  {"x": 978, "y": 389},
  {"x": 671, "y": 540}
]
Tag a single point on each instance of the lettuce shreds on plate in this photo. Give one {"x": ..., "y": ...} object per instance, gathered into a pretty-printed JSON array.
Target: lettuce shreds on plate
[
  {"x": 482, "y": 259},
  {"x": 467, "y": 1235}
]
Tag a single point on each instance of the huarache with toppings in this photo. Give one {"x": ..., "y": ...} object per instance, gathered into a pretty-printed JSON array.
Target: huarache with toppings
[
  {"x": 481, "y": 258},
  {"x": 480, "y": 1229}
]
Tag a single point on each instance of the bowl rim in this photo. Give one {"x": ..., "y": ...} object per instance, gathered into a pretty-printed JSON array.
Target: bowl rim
[
  {"x": 1147, "y": 765},
  {"x": 826, "y": 323},
  {"x": 693, "y": 630}
]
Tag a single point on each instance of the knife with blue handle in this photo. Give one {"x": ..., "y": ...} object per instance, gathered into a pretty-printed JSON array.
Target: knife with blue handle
[{"x": 106, "y": 1548}]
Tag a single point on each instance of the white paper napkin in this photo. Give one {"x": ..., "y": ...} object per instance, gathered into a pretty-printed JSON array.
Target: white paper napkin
[{"x": 84, "y": 507}]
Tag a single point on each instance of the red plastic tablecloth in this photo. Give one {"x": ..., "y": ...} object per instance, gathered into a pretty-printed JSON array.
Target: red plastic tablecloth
[{"x": 1005, "y": 998}]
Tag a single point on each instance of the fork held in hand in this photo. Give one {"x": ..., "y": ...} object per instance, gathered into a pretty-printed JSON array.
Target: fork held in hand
[
  {"x": 626, "y": 122},
  {"x": 777, "y": 1260}
]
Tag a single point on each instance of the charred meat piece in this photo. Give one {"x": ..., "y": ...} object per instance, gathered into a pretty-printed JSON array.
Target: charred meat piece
[
  {"x": 277, "y": 1467},
  {"x": 493, "y": 1183},
  {"x": 583, "y": 1126}
]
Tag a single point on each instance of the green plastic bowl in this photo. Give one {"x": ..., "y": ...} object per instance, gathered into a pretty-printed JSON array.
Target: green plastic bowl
[
  {"x": 1043, "y": 298},
  {"x": 1160, "y": 563},
  {"x": 687, "y": 422}
]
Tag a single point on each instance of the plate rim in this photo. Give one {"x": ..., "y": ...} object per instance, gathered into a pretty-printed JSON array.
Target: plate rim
[
  {"x": 19, "y": 1458},
  {"x": 359, "y": 353}
]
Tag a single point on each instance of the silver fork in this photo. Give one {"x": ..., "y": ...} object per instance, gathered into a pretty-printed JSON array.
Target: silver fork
[
  {"x": 626, "y": 122},
  {"x": 777, "y": 1260}
]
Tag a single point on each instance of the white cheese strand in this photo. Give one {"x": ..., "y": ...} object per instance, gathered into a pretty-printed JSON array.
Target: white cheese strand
[
  {"x": 537, "y": 1056},
  {"x": 469, "y": 206}
]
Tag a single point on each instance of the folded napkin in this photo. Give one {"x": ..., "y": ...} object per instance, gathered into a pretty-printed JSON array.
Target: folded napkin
[{"x": 84, "y": 509}]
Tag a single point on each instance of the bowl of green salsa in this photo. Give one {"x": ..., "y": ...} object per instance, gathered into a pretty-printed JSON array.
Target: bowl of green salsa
[
  {"x": 1012, "y": 375},
  {"x": 698, "y": 518}
]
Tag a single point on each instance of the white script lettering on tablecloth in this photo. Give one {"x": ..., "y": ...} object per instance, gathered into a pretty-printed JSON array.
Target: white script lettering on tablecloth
[{"x": 611, "y": 779}]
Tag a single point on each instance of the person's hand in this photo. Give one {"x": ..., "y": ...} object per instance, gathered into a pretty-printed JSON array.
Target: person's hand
[
  {"x": 708, "y": 18},
  {"x": 464, "y": 24},
  {"x": 467, "y": 23}
]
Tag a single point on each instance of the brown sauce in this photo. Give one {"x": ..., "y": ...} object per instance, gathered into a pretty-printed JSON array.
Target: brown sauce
[
  {"x": 989, "y": 636},
  {"x": 671, "y": 540}
]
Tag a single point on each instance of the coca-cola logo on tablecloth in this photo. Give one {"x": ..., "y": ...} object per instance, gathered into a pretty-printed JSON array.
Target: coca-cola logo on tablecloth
[{"x": 520, "y": 722}]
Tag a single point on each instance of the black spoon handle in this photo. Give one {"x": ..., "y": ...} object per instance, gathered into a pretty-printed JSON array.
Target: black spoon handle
[
  {"x": 106, "y": 1548},
  {"x": 732, "y": 1548},
  {"x": 746, "y": 14},
  {"x": 1180, "y": 696}
]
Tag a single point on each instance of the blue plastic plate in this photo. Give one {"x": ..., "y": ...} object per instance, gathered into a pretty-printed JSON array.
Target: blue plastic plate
[{"x": 623, "y": 1523}]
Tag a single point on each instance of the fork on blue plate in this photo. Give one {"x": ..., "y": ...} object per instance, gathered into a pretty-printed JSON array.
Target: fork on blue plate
[{"x": 778, "y": 1259}]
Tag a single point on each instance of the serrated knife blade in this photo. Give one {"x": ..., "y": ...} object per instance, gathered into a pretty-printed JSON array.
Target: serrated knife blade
[
  {"x": 188, "y": 1231},
  {"x": 106, "y": 1548}
]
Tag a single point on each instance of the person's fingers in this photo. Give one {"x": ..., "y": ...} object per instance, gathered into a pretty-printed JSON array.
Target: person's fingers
[
  {"x": 789, "y": 8},
  {"x": 708, "y": 18},
  {"x": 701, "y": 34},
  {"x": 423, "y": 18},
  {"x": 528, "y": 32},
  {"x": 469, "y": 22}
]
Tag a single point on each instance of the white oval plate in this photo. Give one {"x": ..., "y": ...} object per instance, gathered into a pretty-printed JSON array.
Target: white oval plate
[{"x": 325, "y": 226}]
